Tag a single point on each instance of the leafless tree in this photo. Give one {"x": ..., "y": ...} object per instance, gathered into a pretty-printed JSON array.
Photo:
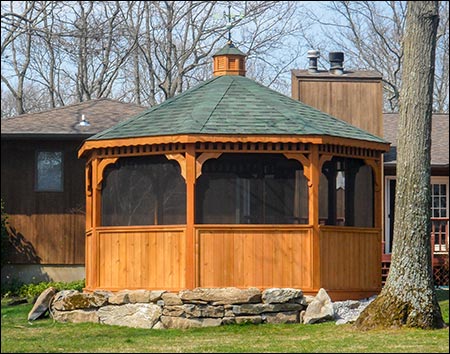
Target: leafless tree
[
  {"x": 140, "y": 51},
  {"x": 176, "y": 40},
  {"x": 95, "y": 45},
  {"x": 408, "y": 297},
  {"x": 18, "y": 22},
  {"x": 371, "y": 34}
]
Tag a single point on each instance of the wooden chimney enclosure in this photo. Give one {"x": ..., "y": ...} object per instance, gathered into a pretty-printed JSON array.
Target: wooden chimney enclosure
[{"x": 231, "y": 184}]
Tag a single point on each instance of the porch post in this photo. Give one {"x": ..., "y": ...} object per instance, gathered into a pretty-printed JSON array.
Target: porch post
[
  {"x": 96, "y": 205},
  {"x": 314, "y": 215},
  {"x": 191, "y": 272}
]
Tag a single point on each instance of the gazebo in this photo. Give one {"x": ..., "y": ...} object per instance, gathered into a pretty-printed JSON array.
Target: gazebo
[{"x": 231, "y": 184}]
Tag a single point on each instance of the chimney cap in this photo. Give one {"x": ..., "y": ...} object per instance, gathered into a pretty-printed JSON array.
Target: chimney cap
[
  {"x": 336, "y": 62},
  {"x": 313, "y": 53},
  {"x": 336, "y": 56}
]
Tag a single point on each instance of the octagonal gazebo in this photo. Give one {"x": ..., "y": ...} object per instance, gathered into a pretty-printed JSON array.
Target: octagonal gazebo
[{"x": 233, "y": 184}]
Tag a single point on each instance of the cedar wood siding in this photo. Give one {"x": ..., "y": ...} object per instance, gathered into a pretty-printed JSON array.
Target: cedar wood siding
[{"x": 48, "y": 227}]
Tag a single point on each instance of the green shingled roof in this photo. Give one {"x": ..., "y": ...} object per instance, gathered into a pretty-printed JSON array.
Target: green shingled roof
[
  {"x": 233, "y": 105},
  {"x": 229, "y": 48}
]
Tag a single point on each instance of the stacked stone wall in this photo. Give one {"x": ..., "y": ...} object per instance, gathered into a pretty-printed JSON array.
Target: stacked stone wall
[{"x": 200, "y": 307}]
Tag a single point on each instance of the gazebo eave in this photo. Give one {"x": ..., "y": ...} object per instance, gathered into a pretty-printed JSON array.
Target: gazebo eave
[{"x": 89, "y": 145}]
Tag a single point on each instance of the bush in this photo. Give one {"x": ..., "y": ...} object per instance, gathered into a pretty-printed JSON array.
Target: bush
[
  {"x": 4, "y": 235},
  {"x": 33, "y": 290}
]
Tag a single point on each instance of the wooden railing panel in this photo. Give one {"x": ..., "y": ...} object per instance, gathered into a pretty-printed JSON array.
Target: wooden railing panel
[
  {"x": 350, "y": 258},
  {"x": 141, "y": 258},
  {"x": 245, "y": 256}
]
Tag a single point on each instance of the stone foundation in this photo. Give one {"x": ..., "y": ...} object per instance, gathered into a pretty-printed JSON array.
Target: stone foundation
[{"x": 201, "y": 307}]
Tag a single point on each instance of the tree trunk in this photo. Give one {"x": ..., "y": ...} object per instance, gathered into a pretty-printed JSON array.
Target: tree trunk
[{"x": 409, "y": 298}]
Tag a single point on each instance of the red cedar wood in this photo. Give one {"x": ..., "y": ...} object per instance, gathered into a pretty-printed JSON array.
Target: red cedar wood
[{"x": 187, "y": 255}]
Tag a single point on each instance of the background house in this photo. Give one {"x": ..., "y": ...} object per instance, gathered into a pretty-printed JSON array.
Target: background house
[
  {"x": 42, "y": 186},
  {"x": 439, "y": 191},
  {"x": 356, "y": 97},
  {"x": 47, "y": 207}
]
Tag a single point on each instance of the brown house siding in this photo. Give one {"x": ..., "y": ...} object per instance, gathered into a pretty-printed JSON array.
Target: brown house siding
[{"x": 48, "y": 227}]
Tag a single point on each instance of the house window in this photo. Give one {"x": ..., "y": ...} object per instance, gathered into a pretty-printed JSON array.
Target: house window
[
  {"x": 346, "y": 193},
  {"x": 49, "y": 171},
  {"x": 252, "y": 189},
  {"x": 439, "y": 212},
  {"x": 146, "y": 190},
  {"x": 439, "y": 216}
]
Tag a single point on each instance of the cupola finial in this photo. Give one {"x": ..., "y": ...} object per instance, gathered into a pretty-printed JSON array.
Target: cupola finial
[{"x": 229, "y": 24}]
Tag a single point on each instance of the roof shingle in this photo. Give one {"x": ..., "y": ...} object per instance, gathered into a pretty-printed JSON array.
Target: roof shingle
[
  {"x": 439, "y": 138},
  {"x": 101, "y": 114},
  {"x": 233, "y": 105}
]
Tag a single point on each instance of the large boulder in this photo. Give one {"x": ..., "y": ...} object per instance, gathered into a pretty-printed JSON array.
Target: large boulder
[
  {"x": 42, "y": 304},
  {"x": 130, "y": 315},
  {"x": 68, "y": 300},
  {"x": 320, "y": 309}
]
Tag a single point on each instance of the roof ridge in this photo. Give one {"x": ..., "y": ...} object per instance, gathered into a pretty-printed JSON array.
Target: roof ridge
[
  {"x": 72, "y": 105},
  {"x": 151, "y": 109},
  {"x": 217, "y": 103}
]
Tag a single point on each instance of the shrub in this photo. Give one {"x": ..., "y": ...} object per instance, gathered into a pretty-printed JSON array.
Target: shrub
[
  {"x": 33, "y": 290},
  {"x": 4, "y": 235}
]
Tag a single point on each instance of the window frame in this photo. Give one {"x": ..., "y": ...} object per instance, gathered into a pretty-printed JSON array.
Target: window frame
[{"x": 36, "y": 172}]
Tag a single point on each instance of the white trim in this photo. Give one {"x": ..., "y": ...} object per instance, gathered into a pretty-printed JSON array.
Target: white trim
[
  {"x": 387, "y": 179},
  {"x": 442, "y": 180}
]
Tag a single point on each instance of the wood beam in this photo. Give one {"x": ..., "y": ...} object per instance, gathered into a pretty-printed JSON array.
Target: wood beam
[{"x": 191, "y": 273}]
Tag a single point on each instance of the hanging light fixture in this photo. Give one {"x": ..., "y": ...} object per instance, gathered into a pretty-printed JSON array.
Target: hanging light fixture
[{"x": 84, "y": 122}]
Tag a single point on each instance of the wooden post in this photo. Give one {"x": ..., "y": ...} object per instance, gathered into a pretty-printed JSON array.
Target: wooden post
[
  {"x": 88, "y": 224},
  {"x": 378, "y": 195},
  {"x": 191, "y": 271},
  {"x": 94, "y": 262},
  {"x": 314, "y": 214}
]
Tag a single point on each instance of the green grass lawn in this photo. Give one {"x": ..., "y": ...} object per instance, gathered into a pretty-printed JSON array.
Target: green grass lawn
[{"x": 19, "y": 335}]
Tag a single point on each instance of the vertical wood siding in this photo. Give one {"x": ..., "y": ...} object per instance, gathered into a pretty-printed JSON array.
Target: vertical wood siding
[
  {"x": 48, "y": 226},
  {"x": 357, "y": 101},
  {"x": 152, "y": 258},
  {"x": 254, "y": 257},
  {"x": 350, "y": 258},
  {"x": 48, "y": 238}
]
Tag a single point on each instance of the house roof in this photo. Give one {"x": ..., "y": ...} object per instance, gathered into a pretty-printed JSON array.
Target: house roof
[
  {"x": 64, "y": 121},
  {"x": 439, "y": 138},
  {"x": 233, "y": 105}
]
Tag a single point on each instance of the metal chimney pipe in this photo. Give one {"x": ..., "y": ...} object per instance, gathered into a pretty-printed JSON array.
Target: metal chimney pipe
[
  {"x": 313, "y": 55},
  {"x": 336, "y": 63}
]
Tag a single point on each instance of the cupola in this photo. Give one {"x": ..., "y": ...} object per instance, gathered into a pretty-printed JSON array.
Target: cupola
[{"x": 229, "y": 61}]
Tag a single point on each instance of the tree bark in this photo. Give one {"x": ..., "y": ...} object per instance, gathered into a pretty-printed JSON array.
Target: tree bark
[{"x": 409, "y": 298}]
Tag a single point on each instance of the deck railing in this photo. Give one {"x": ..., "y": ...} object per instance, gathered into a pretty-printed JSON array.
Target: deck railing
[
  {"x": 439, "y": 250},
  {"x": 439, "y": 238}
]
